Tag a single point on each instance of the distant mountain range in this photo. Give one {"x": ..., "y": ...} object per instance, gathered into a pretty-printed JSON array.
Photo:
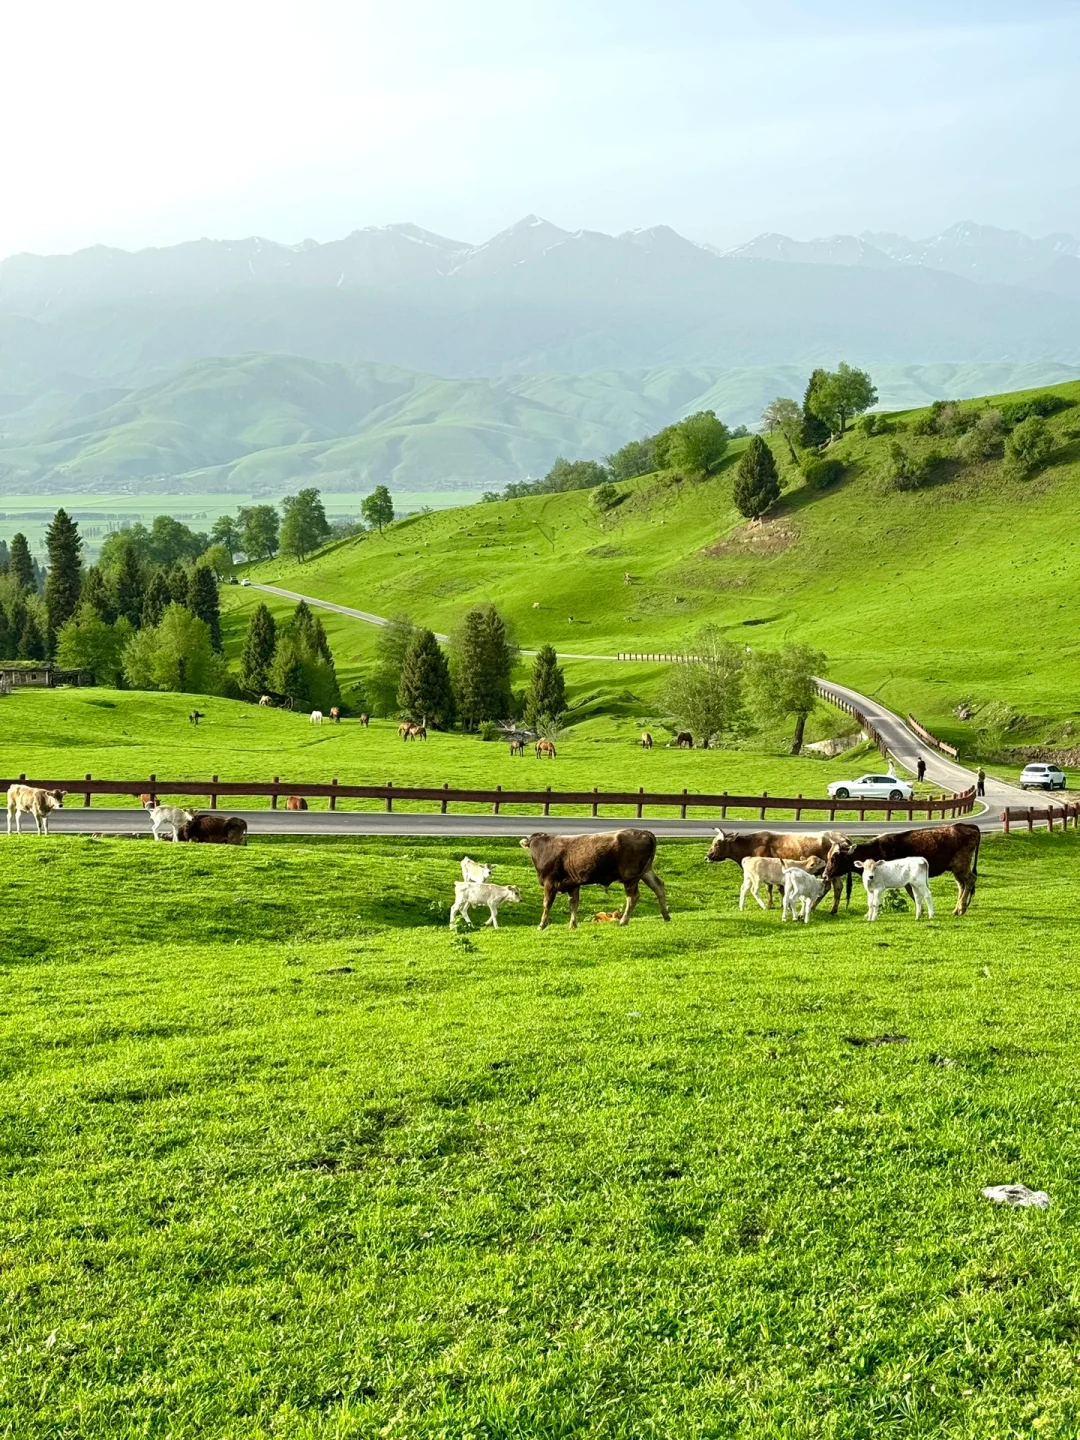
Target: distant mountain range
[{"x": 400, "y": 354}]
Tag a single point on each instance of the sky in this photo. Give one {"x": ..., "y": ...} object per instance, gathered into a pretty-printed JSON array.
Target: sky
[{"x": 136, "y": 124}]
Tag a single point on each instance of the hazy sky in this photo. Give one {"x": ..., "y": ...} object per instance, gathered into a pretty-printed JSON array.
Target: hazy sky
[{"x": 145, "y": 122}]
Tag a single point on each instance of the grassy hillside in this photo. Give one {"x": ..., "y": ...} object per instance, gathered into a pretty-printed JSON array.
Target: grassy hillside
[
  {"x": 281, "y": 1157},
  {"x": 964, "y": 591}
]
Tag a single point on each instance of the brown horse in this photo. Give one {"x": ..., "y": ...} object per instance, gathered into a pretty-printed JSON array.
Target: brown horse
[
  {"x": 517, "y": 746},
  {"x": 335, "y": 715},
  {"x": 418, "y": 732},
  {"x": 364, "y": 721},
  {"x": 646, "y": 740},
  {"x": 545, "y": 747},
  {"x": 296, "y": 802},
  {"x": 684, "y": 740},
  {"x": 405, "y": 729}
]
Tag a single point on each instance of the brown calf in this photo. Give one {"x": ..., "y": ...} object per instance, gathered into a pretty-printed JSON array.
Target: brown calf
[{"x": 214, "y": 830}]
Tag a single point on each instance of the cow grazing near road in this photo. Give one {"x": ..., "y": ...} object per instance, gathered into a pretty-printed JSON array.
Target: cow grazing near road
[
  {"x": 545, "y": 747},
  {"x": 684, "y": 740},
  {"x": 564, "y": 863},
  {"x": 646, "y": 740},
  {"x": 214, "y": 830},
  {"x": 764, "y": 870},
  {"x": 316, "y": 717},
  {"x": 472, "y": 892},
  {"x": 335, "y": 715},
  {"x": 738, "y": 847},
  {"x": 168, "y": 819},
  {"x": 296, "y": 802},
  {"x": 946, "y": 848},
  {"x": 911, "y": 874},
  {"x": 26, "y": 800}
]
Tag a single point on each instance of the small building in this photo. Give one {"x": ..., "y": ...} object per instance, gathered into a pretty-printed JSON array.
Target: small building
[{"x": 42, "y": 674}]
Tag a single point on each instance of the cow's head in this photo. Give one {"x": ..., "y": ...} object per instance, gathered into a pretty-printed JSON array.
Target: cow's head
[
  {"x": 867, "y": 867},
  {"x": 838, "y": 861},
  {"x": 512, "y": 894},
  {"x": 721, "y": 848},
  {"x": 54, "y": 799}
]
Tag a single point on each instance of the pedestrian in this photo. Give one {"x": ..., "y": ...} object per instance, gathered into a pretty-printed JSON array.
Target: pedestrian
[
  {"x": 980, "y": 781},
  {"x": 920, "y": 769}
]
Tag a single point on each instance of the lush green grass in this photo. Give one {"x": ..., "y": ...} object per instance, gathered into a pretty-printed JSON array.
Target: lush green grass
[
  {"x": 927, "y": 598},
  {"x": 281, "y": 1157}
]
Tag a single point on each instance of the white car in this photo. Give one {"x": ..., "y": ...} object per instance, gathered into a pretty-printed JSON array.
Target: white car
[
  {"x": 1042, "y": 777},
  {"x": 871, "y": 787},
  {"x": 245, "y": 581}
]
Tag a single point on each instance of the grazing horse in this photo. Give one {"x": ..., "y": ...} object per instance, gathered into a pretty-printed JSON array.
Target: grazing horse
[
  {"x": 545, "y": 747},
  {"x": 418, "y": 732},
  {"x": 646, "y": 740},
  {"x": 335, "y": 715},
  {"x": 316, "y": 717},
  {"x": 684, "y": 740},
  {"x": 265, "y": 700},
  {"x": 517, "y": 746},
  {"x": 405, "y": 729},
  {"x": 196, "y": 716},
  {"x": 364, "y": 721},
  {"x": 296, "y": 802}
]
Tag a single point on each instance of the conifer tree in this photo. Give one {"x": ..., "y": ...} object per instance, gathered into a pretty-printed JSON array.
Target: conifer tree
[
  {"x": 814, "y": 430},
  {"x": 22, "y": 566},
  {"x": 129, "y": 586},
  {"x": 483, "y": 659},
  {"x": 258, "y": 653},
  {"x": 203, "y": 601},
  {"x": 425, "y": 693},
  {"x": 179, "y": 585},
  {"x": 547, "y": 688},
  {"x": 64, "y": 581},
  {"x": 95, "y": 593},
  {"x": 31, "y": 641},
  {"x": 5, "y": 557},
  {"x": 757, "y": 485},
  {"x": 156, "y": 599}
]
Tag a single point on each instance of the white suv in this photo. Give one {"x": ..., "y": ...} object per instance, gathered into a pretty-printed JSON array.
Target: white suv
[
  {"x": 871, "y": 787},
  {"x": 1042, "y": 777}
]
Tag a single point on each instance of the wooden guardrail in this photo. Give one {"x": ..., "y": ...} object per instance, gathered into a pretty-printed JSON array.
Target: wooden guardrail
[
  {"x": 444, "y": 796},
  {"x": 865, "y": 723},
  {"x": 1030, "y": 816},
  {"x": 930, "y": 738}
]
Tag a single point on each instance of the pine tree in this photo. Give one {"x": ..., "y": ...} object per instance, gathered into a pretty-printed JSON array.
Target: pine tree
[
  {"x": 65, "y": 570},
  {"x": 179, "y": 585},
  {"x": 129, "y": 587},
  {"x": 258, "y": 653},
  {"x": 288, "y": 674},
  {"x": 9, "y": 639},
  {"x": 5, "y": 557},
  {"x": 95, "y": 593},
  {"x": 203, "y": 601},
  {"x": 22, "y": 566},
  {"x": 31, "y": 641},
  {"x": 757, "y": 485},
  {"x": 156, "y": 599},
  {"x": 547, "y": 687},
  {"x": 814, "y": 430},
  {"x": 425, "y": 693},
  {"x": 483, "y": 659}
]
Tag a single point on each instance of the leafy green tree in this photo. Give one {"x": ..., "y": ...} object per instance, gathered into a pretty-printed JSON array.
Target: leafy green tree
[
  {"x": 842, "y": 394},
  {"x": 64, "y": 544},
  {"x": 172, "y": 541},
  {"x": 259, "y": 529},
  {"x": 814, "y": 430},
  {"x": 782, "y": 684},
  {"x": 257, "y": 656},
  {"x": 704, "y": 694},
  {"x": 394, "y": 640},
  {"x": 22, "y": 566},
  {"x": 96, "y": 594},
  {"x": 546, "y": 695},
  {"x": 483, "y": 658},
  {"x": 176, "y": 654},
  {"x": 637, "y": 457},
  {"x": 128, "y": 584},
  {"x": 219, "y": 558},
  {"x": 1029, "y": 447},
  {"x": 87, "y": 642},
  {"x": 156, "y": 598},
  {"x": 425, "y": 693},
  {"x": 204, "y": 603},
  {"x": 783, "y": 416},
  {"x": 378, "y": 508},
  {"x": 304, "y": 526},
  {"x": 9, "y": 638},
  {"x": 226, "y": 531},
  {"x": 605, "y": 497},
  {"x": 757, "y": 485},
  {"x": 31, "y": 644},
  {"x": 698, "y": 443}
]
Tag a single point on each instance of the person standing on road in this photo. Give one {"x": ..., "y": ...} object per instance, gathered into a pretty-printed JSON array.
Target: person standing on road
[
  {"x": 920, "y": 769},
  {"x": 980, "y": 781}
]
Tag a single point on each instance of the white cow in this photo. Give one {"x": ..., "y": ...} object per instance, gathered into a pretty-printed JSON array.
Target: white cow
[
  {"x": 316, "y": 717},
  {"x": 802, "y": 891},
  {"x": 167, "y": 818},
  {"x": 881, "y": 875},
  {"x": 470, "y": 892},
  {"x": 26, "y": 800},
  {"x": 761, "y": 870},
  {"x": 473, "y": 870}
]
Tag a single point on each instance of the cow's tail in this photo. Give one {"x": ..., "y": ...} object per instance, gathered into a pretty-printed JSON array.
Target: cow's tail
[{"x": 850, "y": 877}]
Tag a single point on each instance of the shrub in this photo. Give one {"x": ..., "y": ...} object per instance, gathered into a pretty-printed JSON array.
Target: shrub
[
  {"x": 1029, "y": 446},
  {"x": 1015, "y": 411},
  {"x": 927, "y": 424},
  {"x": 907, "y": 471},
  {"x": 605, "y": 497},
  {"x": 983, "y": 440},
  {"x": 822, "y": 473},
  {"x": 874, "y": 424},
  {"x": 953, "y": 420},
  {"x": 489, "y": 730}
]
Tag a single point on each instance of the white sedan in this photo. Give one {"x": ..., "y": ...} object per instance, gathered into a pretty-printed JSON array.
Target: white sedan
[{"x": 871, "y": 787}]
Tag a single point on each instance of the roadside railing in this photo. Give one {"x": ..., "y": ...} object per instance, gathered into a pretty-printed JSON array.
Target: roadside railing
[
  {"x": 1030, "y": 816},
  {"x": 865, "y": 723},
  {"x": 443, "y": 796},
  {"x": 931, "y": 739}
]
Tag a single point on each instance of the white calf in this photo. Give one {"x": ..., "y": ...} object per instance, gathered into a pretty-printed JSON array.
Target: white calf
[
  {"x": 802, "y": 891},
  {"x": 881, "y": 875},
  {"x": 469, "y": 892},
  {"x": 316, "y": 717},
  {"x": 474, "y": 871},
  {"x": 761, "y": 870},
  {"x": 168, "y": 819},
  {"x": 25, "y": 800}
]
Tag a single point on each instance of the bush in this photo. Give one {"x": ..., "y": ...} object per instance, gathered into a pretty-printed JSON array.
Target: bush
[
  {"x": 489, "y": 730},
  {"x": 822, "y": 473},
  {"x": 1015, "y": 411},
  {"x": 874, "y": 424},
  {"x": 955, "y": 421},
  {"x": 983, "y": 440},
  {"x": 927, "y": 424},
  {"x": 1029, "y": 446},
  {"x": 605, "y": 497},
  {"x": 907, "y": 471}
]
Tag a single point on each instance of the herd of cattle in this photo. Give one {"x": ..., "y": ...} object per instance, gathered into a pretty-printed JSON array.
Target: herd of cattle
[{"x": 803, "y": 867}]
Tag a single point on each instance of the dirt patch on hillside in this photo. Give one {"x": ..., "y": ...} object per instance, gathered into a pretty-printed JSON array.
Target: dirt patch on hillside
[{"x": 757, "y": 537}]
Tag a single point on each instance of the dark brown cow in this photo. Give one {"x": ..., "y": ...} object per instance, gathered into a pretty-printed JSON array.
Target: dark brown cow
[
  {"x": 948, "y": 848},
  {"x": 564, "y": 863},
  {"x": 739, "y": 847},
  {"x": 214, "y": 830},
  {"x": 296, "y": 802}
]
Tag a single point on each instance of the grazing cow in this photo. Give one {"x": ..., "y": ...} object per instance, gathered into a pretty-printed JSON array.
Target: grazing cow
[
  {"x": 364, "y": 721},
  {"x": 737, "y": 847},
  {"x": 545, "y": 747},
  {"x": 474, "y": 871},
  {"x": 316, "y": 717},
  {"x": 911, "y": 873},
  {"x": 564, "y": 863},
  {"x": 265, "y": 700},
  {"x": 196, "y": 716},
  {"x": 214, "y": 830},
  {"x": 26, "y": 800},
  {"x": 168, "y": 819},
  {"x": 469, "y": 892},
  {"x": 764, "y": 870},
  {"x": 335, "y": 715},
  {"x": 646, "y": 740},
  {"x": 947, "y": 848},
  {"x": 517, "y": 745},
  {"x": 802, "y": 891},
  {"x": 296, "y": 802},
  {"x": 684, "y": 740}
]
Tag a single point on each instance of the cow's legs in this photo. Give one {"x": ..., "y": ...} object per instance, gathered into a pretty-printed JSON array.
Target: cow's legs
[
  {"x": 965, "y": 886},
  {"x": 923, "y": 893},
  {"x": 769, "y": 888},
  {"x": 9, "y": 820},
  {"x": 494, "y": 919},
  {"x": 631, "y": 901},
  {"x": 575, "y": 900},
  {"x": 549, "y": 897},
  {"x": 42, "y": 823},
  {"x": 18, "y": 821},
  {"x": 656, "y": 885}
]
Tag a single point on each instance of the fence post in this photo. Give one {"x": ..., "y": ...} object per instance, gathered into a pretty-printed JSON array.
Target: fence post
[
  {"x": 333, "y": 798},
  {"x": 832, "y": 813},
  {"x": 723, "y": 805},
  {"x": 442, "y": 807},
  {"x": 1049, "y": 816},
  {"x": 1005, "y": 821},
  {"x": 495, "y": 807},
  {"x": 1030, "y": 819},
  {"x": 23, "y": 776},
  {"x": 547, "y": 802},
  {"x": 641, "y": 792},
  {"x": 862, "y": 812},
  {"x": 682, "y": 811},
  {"x": 595, "y": 811},
  {"x": 213, "y": 793},
  {"x": 761, "y": 815},
  {"x": 86, "y": 797},
  {"x": 273, "y": 798},
  {"x": 798, "y": 808},
  {"x": 389, "y": 797}
]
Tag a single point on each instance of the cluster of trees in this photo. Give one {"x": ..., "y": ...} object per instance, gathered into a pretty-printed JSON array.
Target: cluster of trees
[
  {"x": 260, "y": 531},
  {"x": 291, "y": 660},
  {"x": 724, "y": 691},
  {"x": 24, "y": 621}
]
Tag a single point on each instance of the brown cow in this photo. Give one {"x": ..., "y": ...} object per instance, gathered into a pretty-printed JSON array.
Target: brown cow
[
  {"x": 646, "y": 740},
  {"x": 214, "y": 830},
  {"x": 545, "y": 747},
  {"x": 335, "y": 715},
  {"x": 767, "y": 843},
  {"x": 948, "y": 848},
  {"x": 564, "y": 863},
  {"x": 684, "y": 740},
  {"x": 26, "y": 800},
  {"x": 296, "y": 802}
]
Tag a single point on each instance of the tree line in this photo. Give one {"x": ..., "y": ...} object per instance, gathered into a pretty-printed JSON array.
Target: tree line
[{"x": 260, "y": 532}]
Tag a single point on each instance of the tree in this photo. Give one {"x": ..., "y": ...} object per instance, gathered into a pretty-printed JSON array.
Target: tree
[
  {"x": 22, "y": 566},
  {"x": 782, "y": 684},
  {"x": 1029, "y": 446},
  {"x": 425, "y": 693},
  {"x": 287, "y": 674},
  {"x": 378, "y": 507},
  {"x": 259, "y": 526},
  {"x": 156, "y": 597},
  {"x": 814, "y": 430},
  {"x": 840, "y": 395},
  {"x": 698, "y": 443},
  {"x": 704, "y": 694},
  {"x": 784, "y": 417},
  {"x": 219, "y": 558},
  {"x": 226, "y": 531},
  {"x": 304, "y": 527},
  {"x": 31, "y": 645},
  {"x": 204, "y": 603},
  {"x": 637, "y": 457},
  {"x": 757, "y": 485},
  {"x": 483, "y": 657},
  {"x": 171, "y": 541},
  {"x": 87, "y": 642},
  {"x": 179, "y": 585},
  {"x": 129, "y": 585},
  {"x": 95, "y": 593},
  {"x": 257, "y": 655},
  {"x": 5, "y": 557},
  {"x": 394, "y": 640},
  {"x": 64, "y": 544},
  {"x": 546, "y": 695},
  {"x": 176, "y": 654}
]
